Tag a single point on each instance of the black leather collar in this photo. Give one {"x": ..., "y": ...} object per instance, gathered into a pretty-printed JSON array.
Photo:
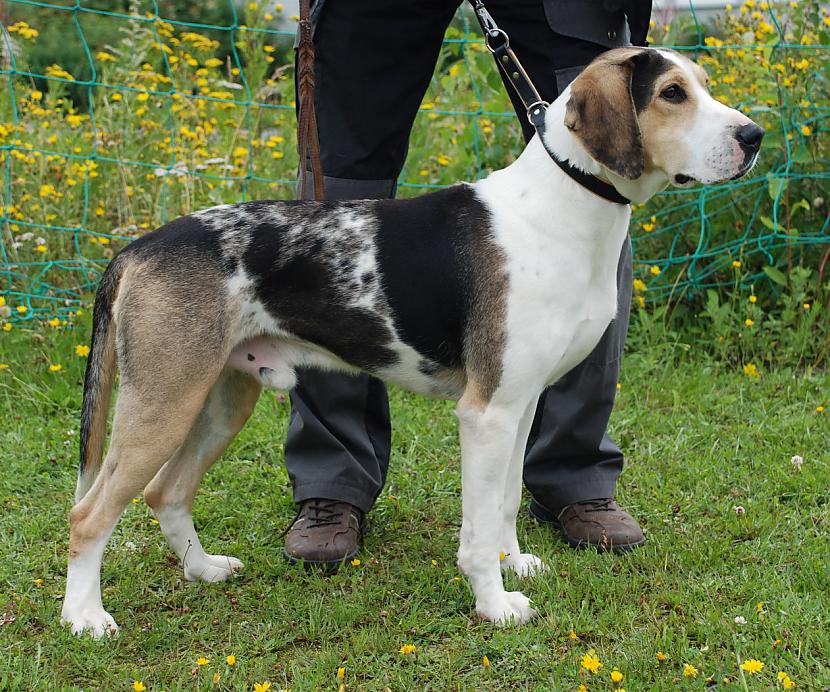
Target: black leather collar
[{"x": 586, "y": 180}]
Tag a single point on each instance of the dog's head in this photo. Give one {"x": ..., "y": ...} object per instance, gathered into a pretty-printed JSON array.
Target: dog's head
[{"x": 643, "y": 110}]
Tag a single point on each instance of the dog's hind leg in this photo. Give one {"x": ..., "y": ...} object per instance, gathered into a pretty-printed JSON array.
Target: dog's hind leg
[
  {"x": 152, "y": 418},
  {"x": 524, "y": 564},
  {"x": 488, "y": 437},
  {"x": 170, "y": 494}
]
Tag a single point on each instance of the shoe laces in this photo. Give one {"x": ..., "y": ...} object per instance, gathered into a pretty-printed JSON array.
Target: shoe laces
[
  {"x": 322, "y": 513},
  {"x": 601, "y": 505}
]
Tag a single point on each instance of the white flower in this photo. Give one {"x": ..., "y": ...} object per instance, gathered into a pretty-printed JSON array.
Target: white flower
[
  {"x": 797, "y": 461},
  {"x": 740, "y": 620},
  {"x": 739, "y": 509}
]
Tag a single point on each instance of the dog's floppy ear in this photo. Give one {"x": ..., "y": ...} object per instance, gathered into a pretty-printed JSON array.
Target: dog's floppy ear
[{"x": 602, "y": 116}]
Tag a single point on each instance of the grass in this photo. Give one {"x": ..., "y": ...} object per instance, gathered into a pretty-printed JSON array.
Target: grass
[{"x": 700, "y": 440}]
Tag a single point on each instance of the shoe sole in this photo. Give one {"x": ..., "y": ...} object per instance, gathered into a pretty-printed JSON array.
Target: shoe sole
[{"x": 584, "y": 545}]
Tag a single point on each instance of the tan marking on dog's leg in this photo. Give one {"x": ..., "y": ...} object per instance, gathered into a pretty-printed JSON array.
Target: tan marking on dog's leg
[
  {"x": 145, "y": 434},
  {"x": 170, "y": 494}
]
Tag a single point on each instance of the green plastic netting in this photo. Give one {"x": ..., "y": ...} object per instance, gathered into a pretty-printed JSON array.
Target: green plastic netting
[{"x": 113, "y": 121}]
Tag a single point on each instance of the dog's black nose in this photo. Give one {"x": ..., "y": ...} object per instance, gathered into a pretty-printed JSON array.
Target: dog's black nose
[{"x": 750, "y": 137}]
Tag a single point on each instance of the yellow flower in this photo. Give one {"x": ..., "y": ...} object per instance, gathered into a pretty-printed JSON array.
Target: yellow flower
[
  {"x": 54, "y": 322},
  {"x": 216, "y": 678},
  {"x": 36, "y": 95},
  {"x": 40, "y": 248},
  {"x": 806, "y": 130},
  {"x": 661, "y": 656},
  {"x": 748, "y": 322},
  {"x": 407, "y": 649},
  {"x": 751, "y": 370},
  {"x": 752, "y": 666},
  {"x": 689, "y": 671},
  {"x": 641, "y": 302},
  {"x": 582, "y": 688},
  {"x": 753, "y": 299},
  {"x": 341, "y": 673},
  {"x": 736, "y": 264},
  {"x": 3, "y": 366},
  {"x": 785, "y": 680},
  {"x": 591, "y": 662},
  {"x": 2, "y": 301},
  {"x": 213, "y": 62},
  {"x": 640, "y": 285},
  {"x": 7, "y": 327},
  {"x": 485, "y": 662},
  {"x": 656, "y": 270},
  {"x": 355, "y": 563},
  {"x": 648, "y": 227},
  {"x": 202, "y": 661},
  {"x": 616, "y": 676},
  {"x": 262, "y": 686},
  {"x": 573, "y": 636},
  {"x": 231, "y": 660},
  {"x": 806, "y": 306},
  {"x": 38, "y": 582},
  {"x": 103, "y": 56},
  {"x": 138, "y": 686},
  {"x": 819, "y": 409},
  {"x": 55, "y": 368}
]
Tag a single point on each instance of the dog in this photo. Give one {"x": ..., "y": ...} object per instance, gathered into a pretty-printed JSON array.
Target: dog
[{"x": 483, "y": 293}]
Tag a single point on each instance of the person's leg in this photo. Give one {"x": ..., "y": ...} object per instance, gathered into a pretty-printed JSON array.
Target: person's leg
[
  {"x": 373, "y": 65},
  {"x": 570, "y": 459}
]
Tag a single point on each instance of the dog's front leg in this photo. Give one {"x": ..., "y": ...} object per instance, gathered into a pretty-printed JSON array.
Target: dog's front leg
[
  {"x": 523, "y": 564},
  {"x": 488, "y": 436}
]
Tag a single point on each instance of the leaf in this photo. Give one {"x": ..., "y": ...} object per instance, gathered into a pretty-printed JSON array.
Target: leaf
[
  {"x": 802, "y": 155},
  {"x": 775, "y": 275},
  {"x": 777, "y": 186}
]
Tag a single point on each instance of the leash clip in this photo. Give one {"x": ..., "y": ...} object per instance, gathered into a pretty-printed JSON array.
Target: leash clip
[{"x": 535, "y": 109}]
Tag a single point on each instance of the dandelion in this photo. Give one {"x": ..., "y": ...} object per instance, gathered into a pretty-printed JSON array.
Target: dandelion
[
  {"x": 616, "y": 676},
  {"x": 262, "y": 686},
  {"x": 661, "y": 657},
  {"x": 748, "y": 322},
  {"x": 736, "y": 264},
  {"x": 485, "y": 662},
  {"x": 806, "y": 306},
  {"x": 341, "y": 673},
  {"x": 573, "y": 636},
  {"x": 202, "y": 661},
  {"x": 138, "y": 686},
  {"x": 40, "y": 248},
  {"x": 640, "y": 285},
  {"x": 54, "y": 322},
  {"x": 689, "y": 671},
  {"x": 753, "y": 299},
  {"x": 231, "y": 660},
  {"x": 806, "y": 130},
  {"x": 785, "y": 680},
  {"x": 591, "y": 662},
  {"x": 355, "y": 562},
  {"x": 819, "y": 409},
  {"x": 752, "y": 666},
  {"x": 751, "y": 370},
  {"x": 582, "y": 688},
  {"x": 407, "y": 649},
  {"x": 656, "y": 271},
  {"x": 55, "y": 368},
  {"x": 7, "y": 327}
]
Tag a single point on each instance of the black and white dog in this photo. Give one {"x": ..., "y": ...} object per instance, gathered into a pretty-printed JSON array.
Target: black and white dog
[{"x": 484, "y": 293}]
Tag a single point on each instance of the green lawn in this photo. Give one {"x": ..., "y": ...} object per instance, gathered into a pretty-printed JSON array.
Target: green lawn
[{"x": 700, "y": 441}]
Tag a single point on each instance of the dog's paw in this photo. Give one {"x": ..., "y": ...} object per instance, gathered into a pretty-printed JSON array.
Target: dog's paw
[
  {"x": 212, "y": 568},
  {"x": 524, "y": 564},
  {"x": 96, "y": 621},
  {"x": 509, "y": 608}
]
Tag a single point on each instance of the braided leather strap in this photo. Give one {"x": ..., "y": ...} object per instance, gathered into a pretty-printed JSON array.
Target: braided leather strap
[{"x": 308, "y": 143}]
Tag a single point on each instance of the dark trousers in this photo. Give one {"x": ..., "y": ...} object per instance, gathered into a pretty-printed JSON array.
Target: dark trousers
[{"x": 374, "y": 63}]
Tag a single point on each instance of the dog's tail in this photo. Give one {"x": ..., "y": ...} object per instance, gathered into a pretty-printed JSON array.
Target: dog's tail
[{"x": 98, "y": 381}]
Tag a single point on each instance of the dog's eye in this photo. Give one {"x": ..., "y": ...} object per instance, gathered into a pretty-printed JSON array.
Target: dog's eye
[{"x": 673, "y": 93}]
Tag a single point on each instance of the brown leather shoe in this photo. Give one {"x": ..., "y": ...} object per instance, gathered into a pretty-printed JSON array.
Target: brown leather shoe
[
  {"x": 325, "y": 533},
  {"x": 601, "y": 523}
]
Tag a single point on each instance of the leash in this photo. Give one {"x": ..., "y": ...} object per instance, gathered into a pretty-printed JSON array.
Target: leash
[
  {"x": 498, "y": 42},
  {"x": 308, "y": 142}
]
